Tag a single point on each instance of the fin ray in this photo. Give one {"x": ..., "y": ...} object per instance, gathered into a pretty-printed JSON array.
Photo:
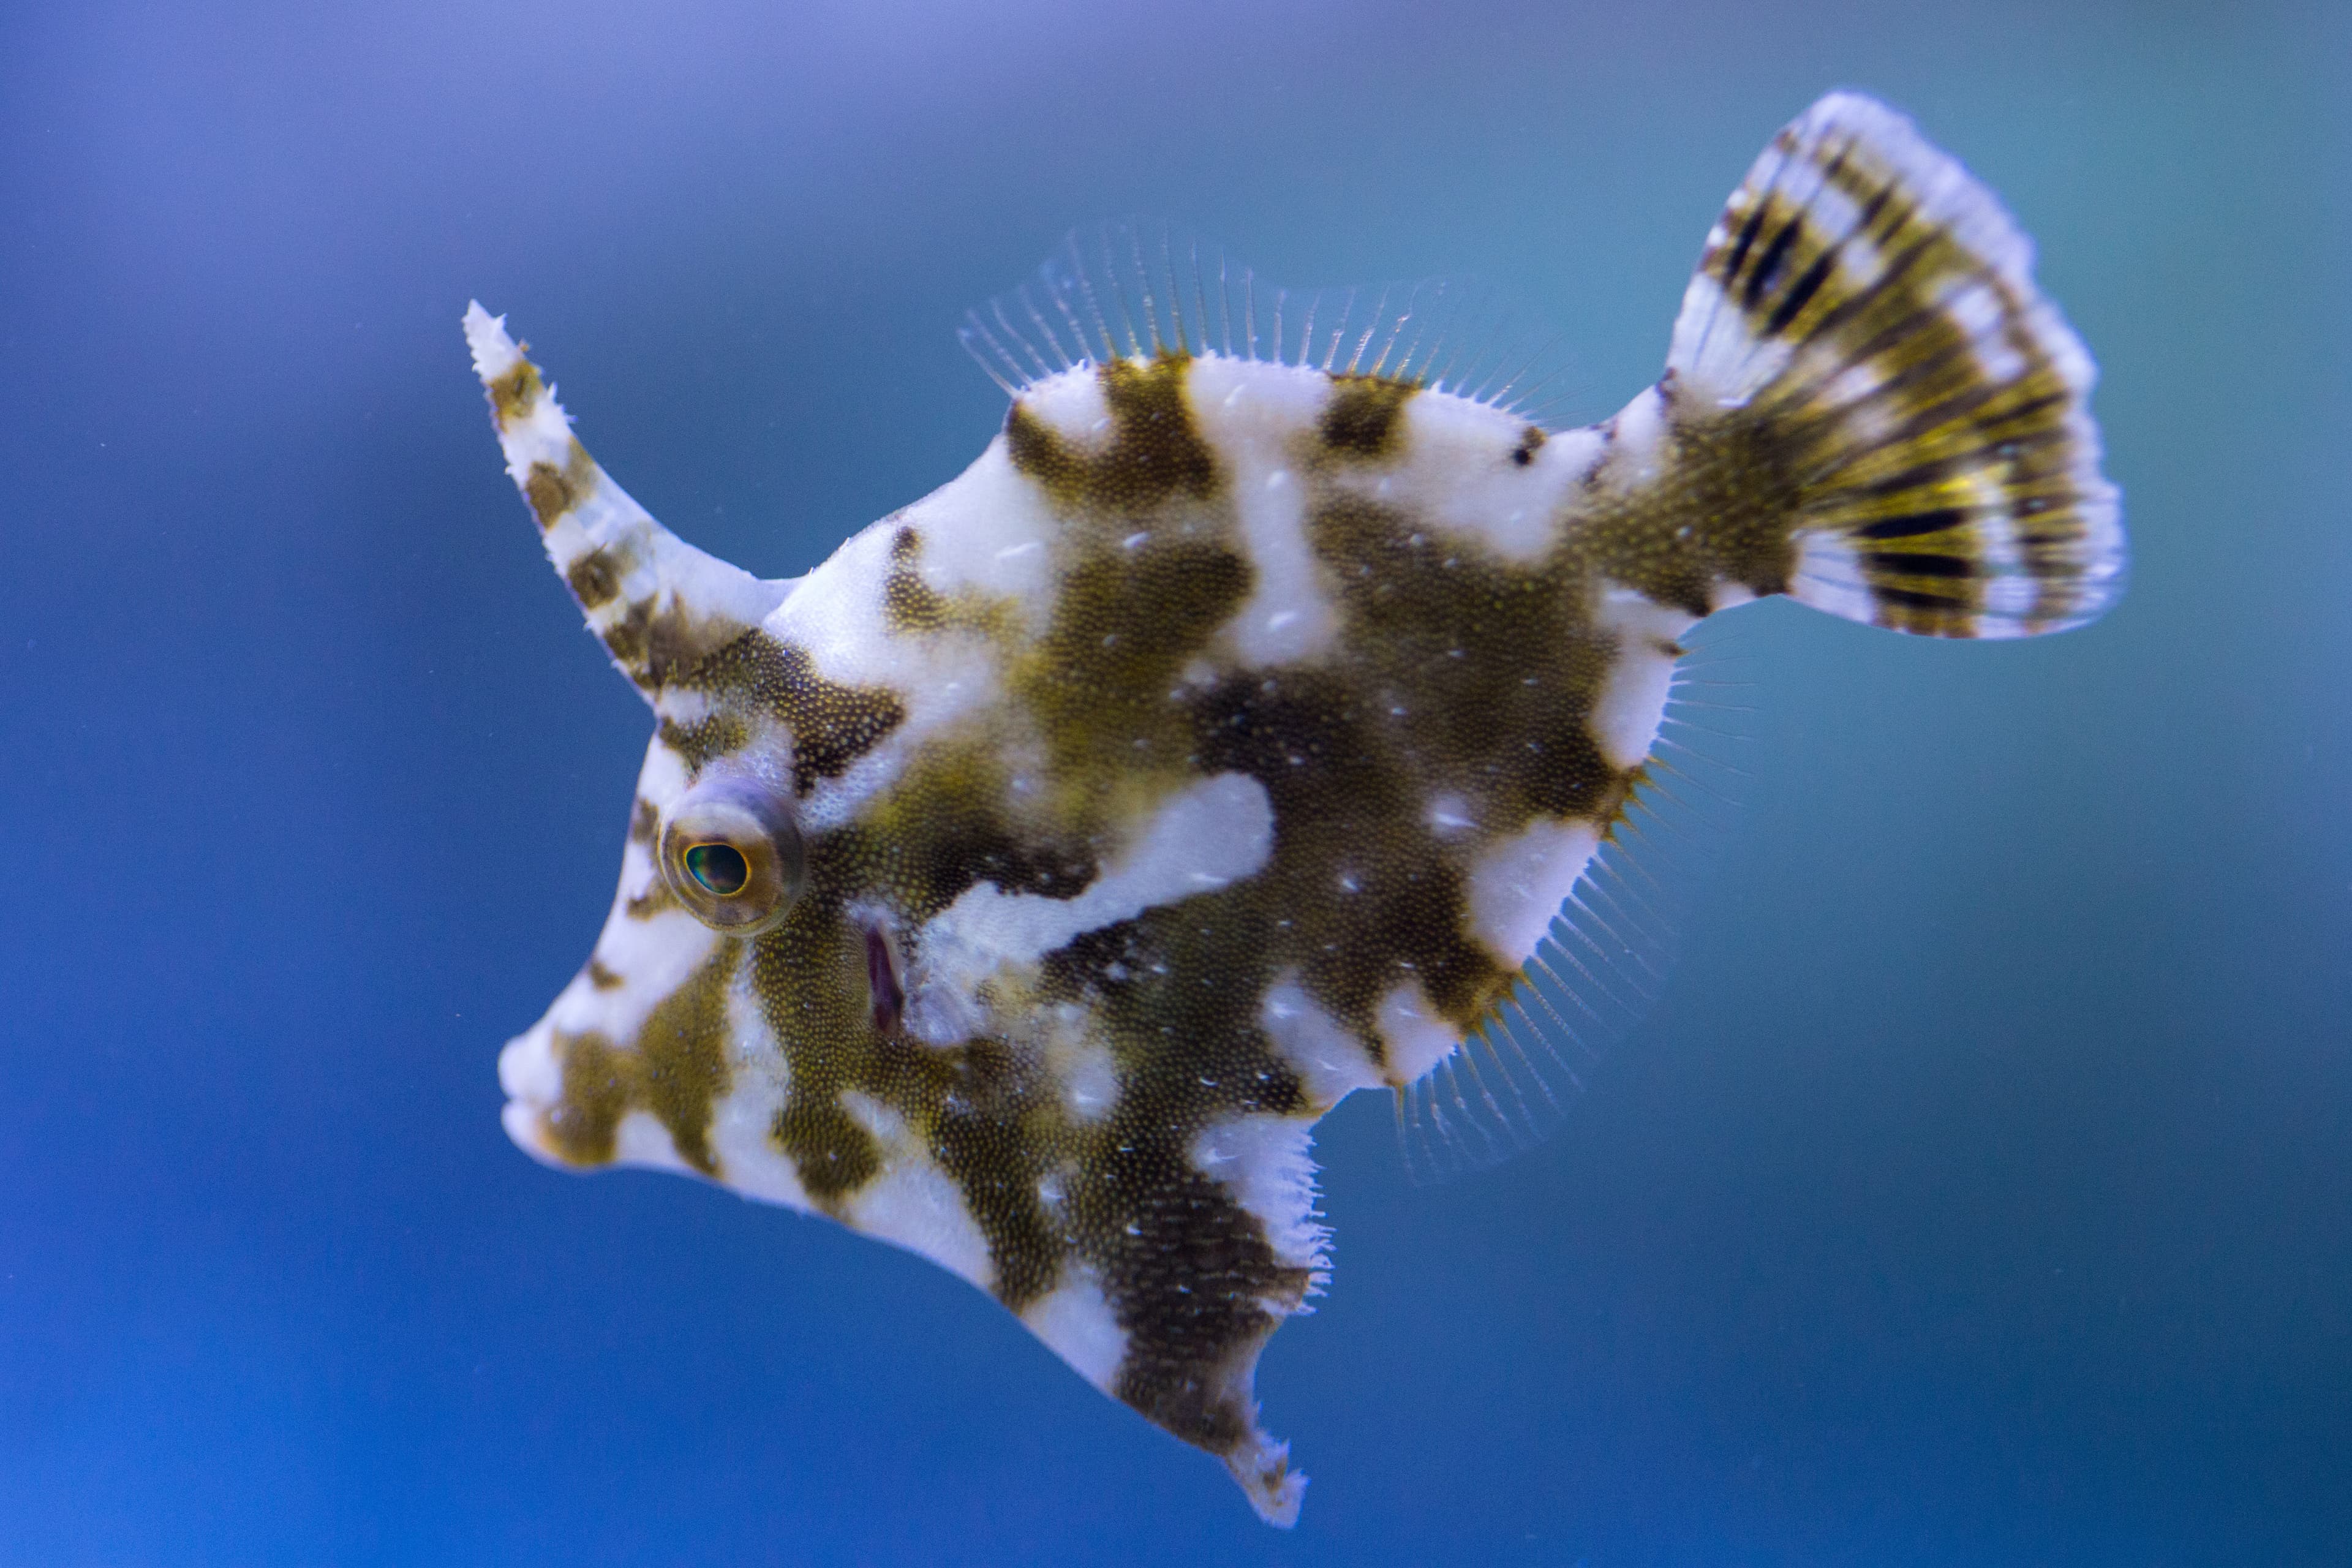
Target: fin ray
[
  {"x": 1865, "y": 318},
  {"x": 1602, "y": 963},
  {"x": 1142, "y": 290}
]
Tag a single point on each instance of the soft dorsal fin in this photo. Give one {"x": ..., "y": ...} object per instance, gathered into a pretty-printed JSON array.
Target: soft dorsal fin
[{"x": 1139, "y": 289}]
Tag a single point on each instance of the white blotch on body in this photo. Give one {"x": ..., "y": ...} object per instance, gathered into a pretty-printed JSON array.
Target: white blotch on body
[
  {"x": 1071, "y": 404},
  {"x": 1205, "y": 836},
  {"x": 913, "y": 1203},
  {"x": 743, "y": 1121},
  {"x": 1077, "y": 1059},
  {"x": 1330, "y": 1062},
  {"x": 1625, "y": 713},
  {"x": 1249, "y": 414},
  {"x": 1417, "y": 1035},
  {"x": 835, "y": 615},
  {"x": 1518, "y": 885},
  {"x": 1453, "y": 471},
  {"x": 1261, "y": 1158},
  {"x": 1077, "y": 1323},
  {"x": 639, "y": 1140},
  {"x": 971, "y": 527}
]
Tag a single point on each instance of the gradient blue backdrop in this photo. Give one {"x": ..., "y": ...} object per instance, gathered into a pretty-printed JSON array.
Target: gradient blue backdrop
[{"x": 1978, "y": 1193}]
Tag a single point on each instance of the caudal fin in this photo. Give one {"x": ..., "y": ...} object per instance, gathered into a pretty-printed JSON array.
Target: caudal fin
[{"x": 1864, "y": 319}]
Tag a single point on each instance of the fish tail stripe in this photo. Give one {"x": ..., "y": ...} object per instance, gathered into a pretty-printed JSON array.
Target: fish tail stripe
[
  {"x": 1863, "y": 325},
  {"x": 657, "y": 603}
]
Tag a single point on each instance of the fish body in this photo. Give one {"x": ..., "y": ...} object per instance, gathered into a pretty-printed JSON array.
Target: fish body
[{"x": 1021, "y": 885}]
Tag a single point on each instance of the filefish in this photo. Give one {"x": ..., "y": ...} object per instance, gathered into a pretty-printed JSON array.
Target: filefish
[{"x": 1021, "y": 885}]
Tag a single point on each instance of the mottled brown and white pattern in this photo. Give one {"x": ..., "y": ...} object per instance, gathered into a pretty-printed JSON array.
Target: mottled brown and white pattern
[{"x": 1021, "y": 885}]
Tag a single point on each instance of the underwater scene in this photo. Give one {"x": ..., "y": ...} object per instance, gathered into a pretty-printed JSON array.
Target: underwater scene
[{"x": 1635, "y": 716}]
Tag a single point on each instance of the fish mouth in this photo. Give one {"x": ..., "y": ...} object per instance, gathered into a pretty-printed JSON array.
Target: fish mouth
[{"x": 532, "y": 1080}]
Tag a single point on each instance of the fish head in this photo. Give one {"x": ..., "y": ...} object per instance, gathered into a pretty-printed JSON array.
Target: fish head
[{"x": 664, "y": 1050}]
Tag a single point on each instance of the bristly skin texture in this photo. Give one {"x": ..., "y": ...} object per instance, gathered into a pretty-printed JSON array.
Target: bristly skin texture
[{"x": 1228, "y": 736}]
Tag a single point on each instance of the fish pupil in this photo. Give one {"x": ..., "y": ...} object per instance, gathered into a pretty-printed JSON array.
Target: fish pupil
[{"x": 720, "y": 868}]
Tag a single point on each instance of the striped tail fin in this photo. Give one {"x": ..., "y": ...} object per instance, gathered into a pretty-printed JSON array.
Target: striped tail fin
[{"x": 1864, "y": 319}]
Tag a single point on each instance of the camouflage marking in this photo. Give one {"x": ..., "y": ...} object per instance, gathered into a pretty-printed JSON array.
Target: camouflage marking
[{"x": 1227, "y": 737}]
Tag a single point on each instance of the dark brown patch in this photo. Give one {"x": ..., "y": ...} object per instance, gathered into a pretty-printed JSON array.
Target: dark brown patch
[
  {"x": 1155, "y": 453},
  {"x": 661, "y": 650},
  {"x": 1001, "y": 1131},
  {"x": 912, "y": 607},
  {"x": 683, "y": 1046},
  {"x": 1100, "y": 680},
  {"x": 602, "y": 978},
  {"x": 552, "y": 491},
  {"x": 676, "y": 1068},
  {"x": 1720, "y": 508},
  {"x": 1190, "y": 1289},
  {"x": 1531, "y": 441},
  {"x": 831, "y": 724},
  {"x": 593, "y": 581},
  {"x": 1496, "y": 667},
  {"x": 1358, "y": 897},
  {"x": 656, "y": 898},
  {"x": 1189, "y": 1274},
  {"x": 512, "y": 394},
  {"x": 598, "y": 1084},
  {"x": 909, "y": 604},
  {"x": 1361, "y": 419},
  {"x": 832, "y": 1154},
  {"x": 809, "y": 976},
  {"x": 939, "y": 831}
]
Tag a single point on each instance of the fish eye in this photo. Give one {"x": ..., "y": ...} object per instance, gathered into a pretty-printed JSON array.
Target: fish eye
[
  {"x": 731, "y": 852},
  {"x": 720, "y": 868}
]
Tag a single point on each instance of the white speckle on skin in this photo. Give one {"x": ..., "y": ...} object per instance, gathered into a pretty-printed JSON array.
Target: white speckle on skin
[
  {"x": 1449, "y": 817},
  {"x": 1077, "y": 1059}
]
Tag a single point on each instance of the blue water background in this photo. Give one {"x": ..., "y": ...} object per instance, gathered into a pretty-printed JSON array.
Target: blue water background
[{"x": 1980, "y": 1192}]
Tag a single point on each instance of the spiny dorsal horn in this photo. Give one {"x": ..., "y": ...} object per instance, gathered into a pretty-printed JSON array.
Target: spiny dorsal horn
[{"x": 657, "y": 603}]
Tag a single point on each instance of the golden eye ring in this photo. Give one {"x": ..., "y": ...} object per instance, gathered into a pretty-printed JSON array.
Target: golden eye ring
[{"x": 730, "y": 853}]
